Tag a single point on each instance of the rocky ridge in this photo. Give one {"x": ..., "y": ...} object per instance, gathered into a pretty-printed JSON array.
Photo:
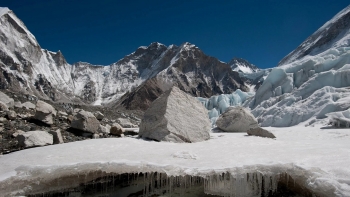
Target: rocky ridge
[{"x": 29, "y": 69}]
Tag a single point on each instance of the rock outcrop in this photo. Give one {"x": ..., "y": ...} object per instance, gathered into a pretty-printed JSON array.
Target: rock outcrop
[
  {"x": 44, "y": 112},
  {"x": 85, "y": 121},
  {"x": 116, "y": 130},
  {"x": 57, "y": 136},
  {"x": 236, "y": 119},
  {"x": 176, "y": 117},
  {"x": 260, "y": 132},
  {"x": 99, "y": 115}
]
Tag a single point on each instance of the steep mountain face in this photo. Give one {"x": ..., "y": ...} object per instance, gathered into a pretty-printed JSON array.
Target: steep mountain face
[
  {"x": 334, "y": 33},
  {"x": 242, "y": 65},
  {"x": 311, "y": 81},
  {"x": 27, "y": 68},
  {"x": 190, "y": 70}
]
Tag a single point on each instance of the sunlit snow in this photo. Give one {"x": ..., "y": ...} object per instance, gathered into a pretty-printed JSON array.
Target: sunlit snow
[{"x": 321, "y": 153}]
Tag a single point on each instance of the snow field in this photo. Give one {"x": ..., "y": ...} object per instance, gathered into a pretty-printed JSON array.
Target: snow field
[{"x": 319, "y": 156}]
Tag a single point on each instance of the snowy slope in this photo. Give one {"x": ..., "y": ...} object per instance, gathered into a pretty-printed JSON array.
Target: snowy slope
[
  {"x": 311, "y": 85},
  {"x": 315, "y": 158},
  {"x": 334, "y": 33},
  {"x": 242, "y": 65}
]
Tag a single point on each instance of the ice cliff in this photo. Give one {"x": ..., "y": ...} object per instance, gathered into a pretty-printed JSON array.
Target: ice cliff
[{"x": 311, "y": 81}]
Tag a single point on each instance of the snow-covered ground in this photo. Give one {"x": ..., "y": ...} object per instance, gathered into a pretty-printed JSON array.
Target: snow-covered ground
[{"x": 320, "y": 155}]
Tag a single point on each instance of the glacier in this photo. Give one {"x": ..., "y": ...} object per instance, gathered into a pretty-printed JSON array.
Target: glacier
[
  {"x": 310, "y": 82},
  {"x": 217, "y": 105}
]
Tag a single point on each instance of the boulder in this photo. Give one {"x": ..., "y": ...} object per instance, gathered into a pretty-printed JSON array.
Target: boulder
[
  {"x": 57, "y": 136},
  {"x": 70, "y": 118},
  {"x": 44, "y": 112},
  {"x": 11, "y": 115},
  {"x": 7, "y": 100},
  {"x": 3, "y": 106},
  {"x": 18, "y": 104},
  {"x": 34, "y": 138},
  {"x": 62, "y": 114},
  {"x": 260, "y": 132},
  {"x": 85, "y": 121},
  {"x": 99, "y": 115},
  {"x": 116, "y": 129},
  {"x": 18, "y": 132},
  {"x": 104, "y": 130},
  {"x": 28, "y": 105},
  {"x": 125, "y": 123},
  {"x": 236, "y": 119},
  {"x": 176, "y": 117},
  {"x": 2, "y": 119}
]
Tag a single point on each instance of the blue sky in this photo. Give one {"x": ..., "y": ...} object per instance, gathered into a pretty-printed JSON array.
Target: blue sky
[{"x": 104, "y": 31}]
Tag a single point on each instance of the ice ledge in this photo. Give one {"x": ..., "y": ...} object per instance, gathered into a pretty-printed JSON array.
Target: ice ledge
[{"x": 244, "y": 180}]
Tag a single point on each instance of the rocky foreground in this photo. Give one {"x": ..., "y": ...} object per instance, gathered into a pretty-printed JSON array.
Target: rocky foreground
[{"x": 27, "y": 122}]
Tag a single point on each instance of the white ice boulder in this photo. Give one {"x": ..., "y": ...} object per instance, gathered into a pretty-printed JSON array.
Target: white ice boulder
[
  {"x": 236, "y": 119},
  {"x": 176, "y": 117},
  {"x": 34, "y": 138},
  {"x": 44, "y": 112},
  {"x": 340, "y": 119}
]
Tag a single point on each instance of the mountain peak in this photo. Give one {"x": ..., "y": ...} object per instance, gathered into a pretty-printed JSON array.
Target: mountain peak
[
  {"x": 242, "y": 65},
  {"x": 334, "y": 33},
  {"x": 4, "y": 10}
]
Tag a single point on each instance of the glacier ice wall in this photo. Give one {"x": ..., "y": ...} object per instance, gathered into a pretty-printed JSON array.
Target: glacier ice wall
[
  {"x": 305, "y": 89},
  {"x": 217, "y": 105}
]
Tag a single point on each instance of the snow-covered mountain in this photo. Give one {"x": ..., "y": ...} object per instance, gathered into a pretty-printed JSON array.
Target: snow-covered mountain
[
  {"x": 242, "y": 65},
  {"x": 311, "y": 81},
  {"x": 192, "y": 71},
  {"x": 27, "y": 68},
  {"x": 333, "y": 33}
]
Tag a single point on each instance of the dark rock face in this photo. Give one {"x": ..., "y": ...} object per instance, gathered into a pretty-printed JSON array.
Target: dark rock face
[
  {"x": 190, "y": 70},
  {"x": 89, "y": 92},
  {"x": 142, "y": 97},
  {"x": 44, "y": 86}
]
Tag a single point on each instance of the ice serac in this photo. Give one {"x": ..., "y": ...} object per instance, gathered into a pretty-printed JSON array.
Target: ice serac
[
  {"x": 311, "y": 81},
  {"x": 217, "y": 105},
  {"x": 334, "y": 33},
  {"x": 175, "y": 117}
]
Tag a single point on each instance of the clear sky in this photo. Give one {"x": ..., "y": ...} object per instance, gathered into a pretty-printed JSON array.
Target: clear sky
[{"x": 104, "y": 31}]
